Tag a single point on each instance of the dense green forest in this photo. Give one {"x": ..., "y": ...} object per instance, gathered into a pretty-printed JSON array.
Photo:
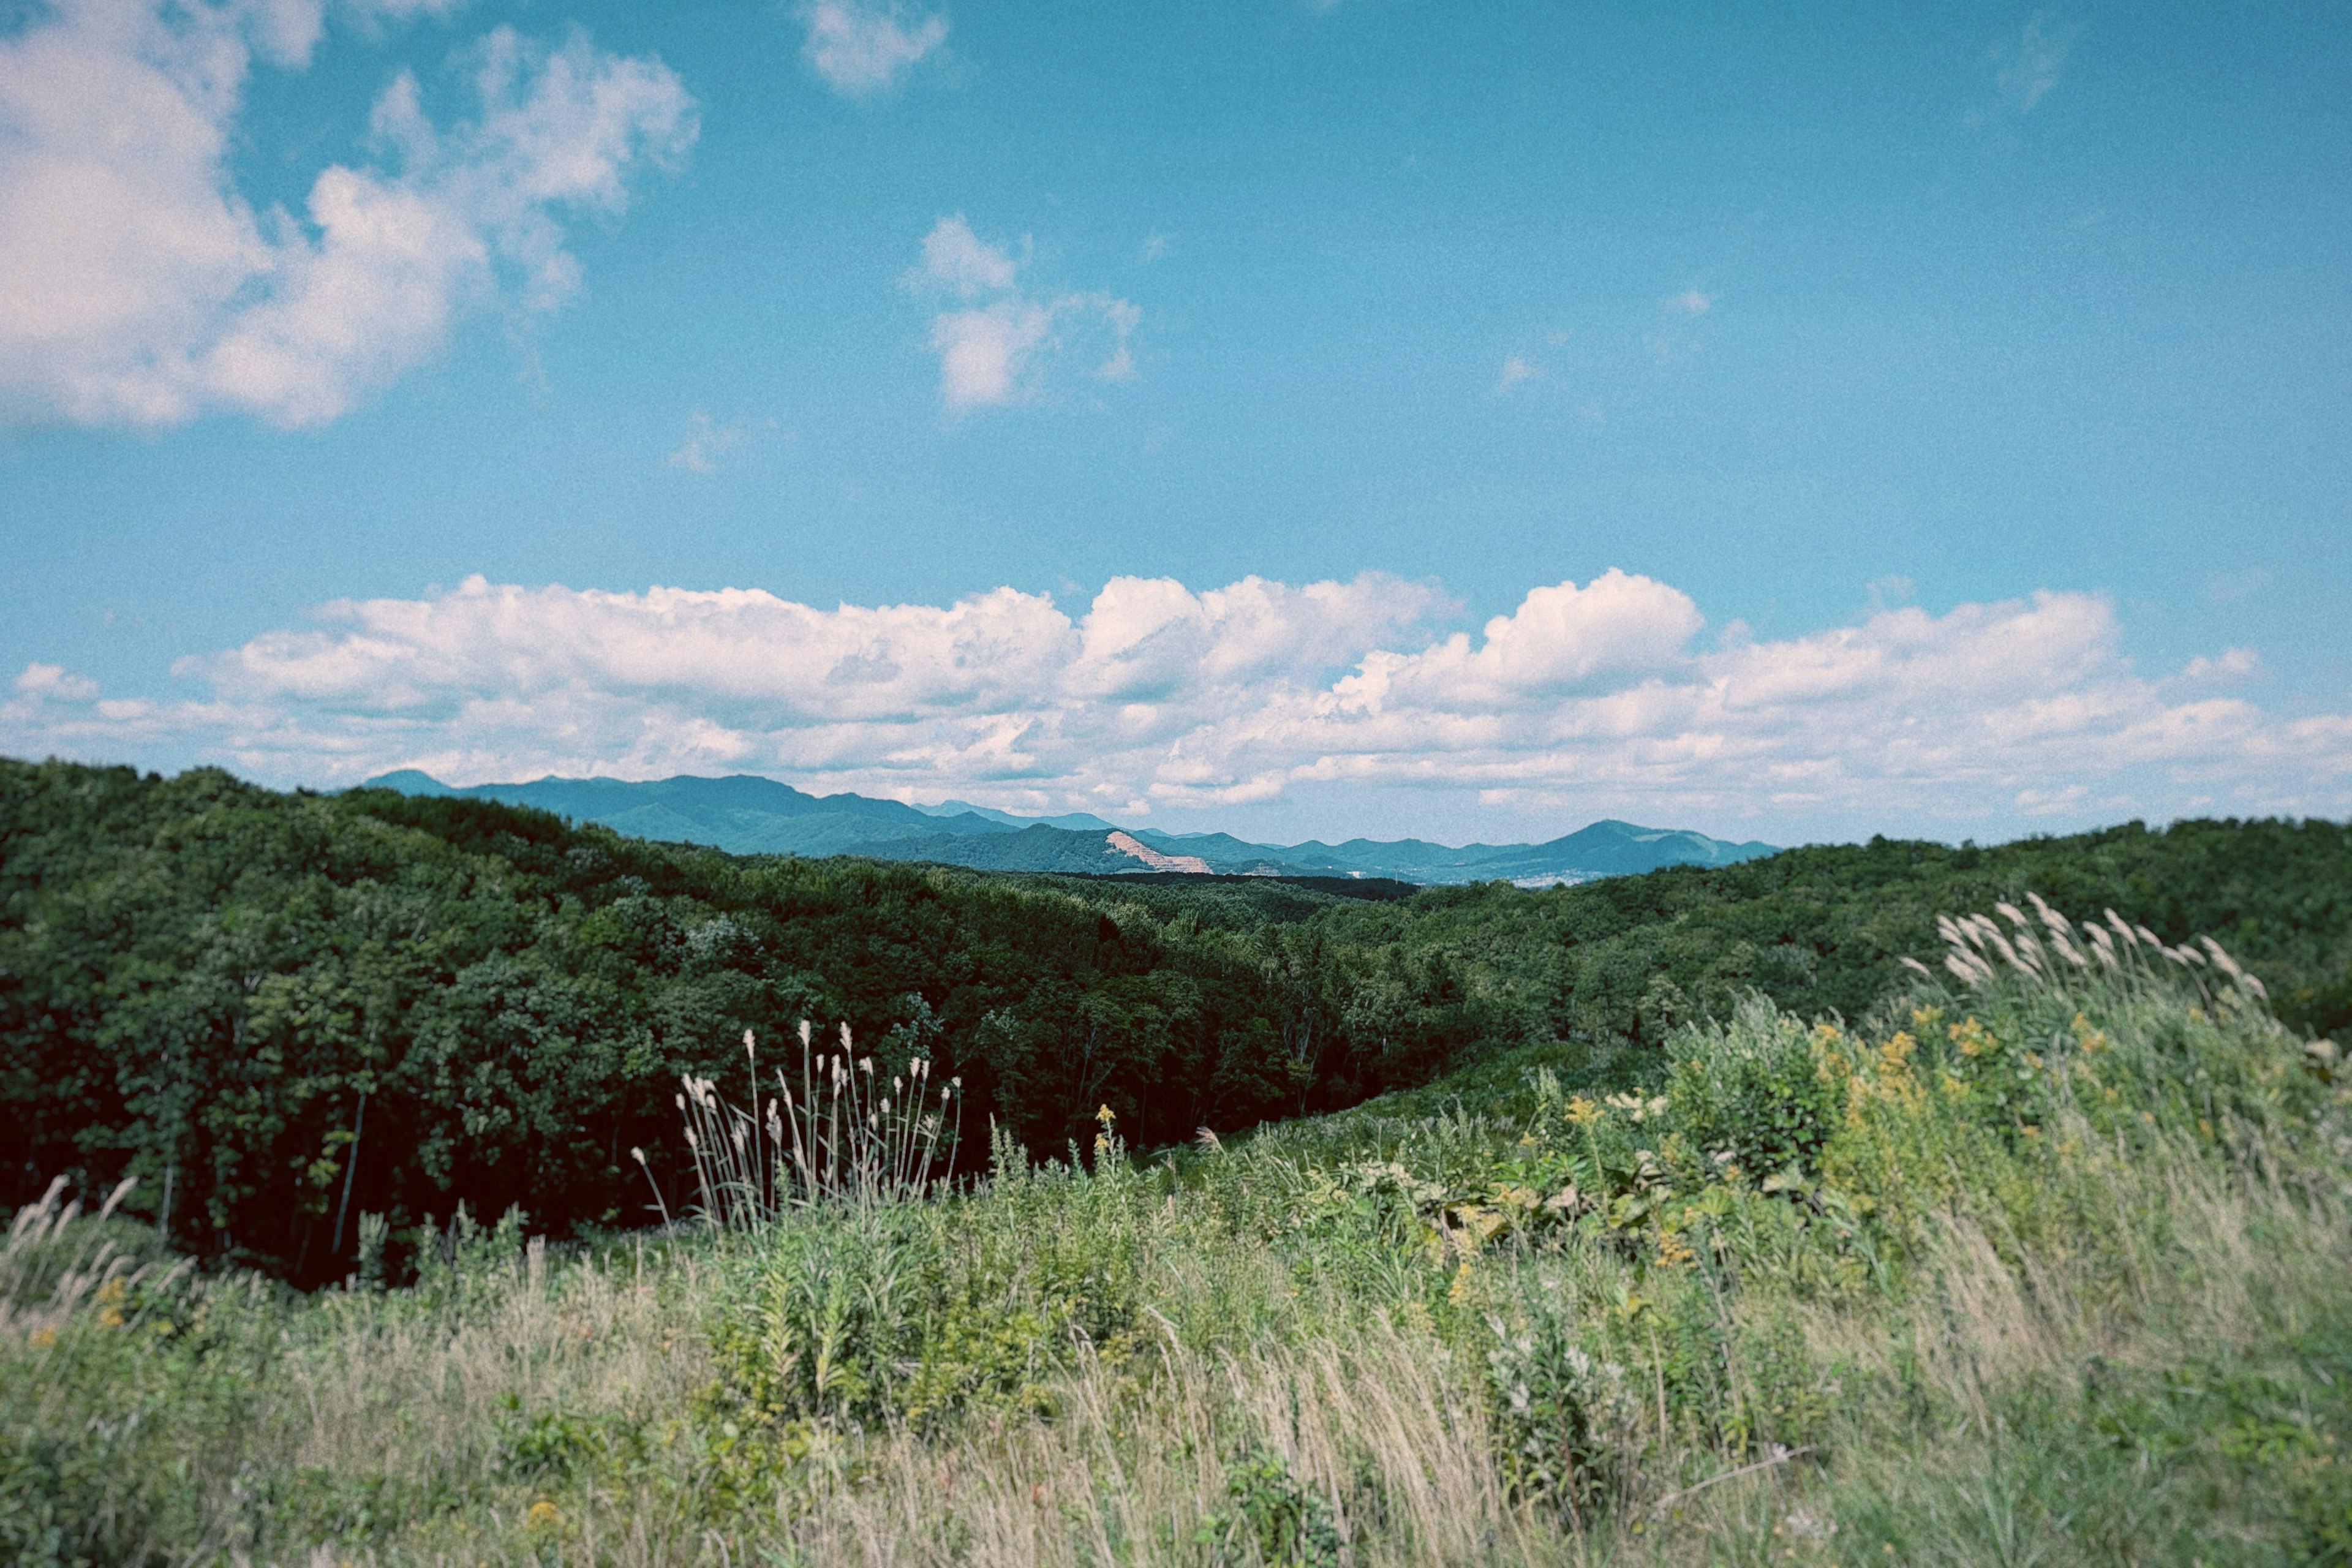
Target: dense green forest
[{"x": 279, "y": 1010}]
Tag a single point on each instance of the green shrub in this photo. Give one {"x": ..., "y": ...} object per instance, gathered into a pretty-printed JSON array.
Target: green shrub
[
  {"x": 1290, "y": 1526},
  {"x": 1749, "y": 1089},
  {"x": 1565, "y": 1420}
]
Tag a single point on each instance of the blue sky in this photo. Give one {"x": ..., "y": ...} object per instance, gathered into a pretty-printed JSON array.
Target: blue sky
[{"x": 1839, "y": 335}]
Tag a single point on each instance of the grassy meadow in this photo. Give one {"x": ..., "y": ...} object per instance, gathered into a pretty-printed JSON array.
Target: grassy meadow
[{"x": 2041, "y": 1261}]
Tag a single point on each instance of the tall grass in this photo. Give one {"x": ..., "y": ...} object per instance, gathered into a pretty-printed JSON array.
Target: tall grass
[
  {"x": 2040, "y": 1263},
  {"x": 845, "y": 1138}
]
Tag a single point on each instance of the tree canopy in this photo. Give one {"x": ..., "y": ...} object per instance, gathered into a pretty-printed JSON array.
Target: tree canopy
[{"x": 279, "y": 1010}]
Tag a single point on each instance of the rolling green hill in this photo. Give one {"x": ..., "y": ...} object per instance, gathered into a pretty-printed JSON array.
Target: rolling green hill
[{"x": 202, "y": 981}]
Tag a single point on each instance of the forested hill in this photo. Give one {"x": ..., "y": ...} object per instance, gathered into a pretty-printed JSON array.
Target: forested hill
[{"x": 202, "y": 981}]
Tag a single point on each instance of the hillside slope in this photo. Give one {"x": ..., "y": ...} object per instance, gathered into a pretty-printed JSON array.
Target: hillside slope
[{"x": 226, "y": 991}]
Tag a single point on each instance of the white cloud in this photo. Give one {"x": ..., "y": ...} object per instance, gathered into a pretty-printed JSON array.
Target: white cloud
[
  {"x": 2028, "y": 68},
  {"x": 957, "y": 260},
  {"x": 860, "y": 47},
  {"x": 709, "y": 443},
  {"x": 47, "y": 680},
  {"x": 1691, "y": 303},
  {"x": 138, "y": 286},
  {"x": 1514, "y": 371},
  {"x": 984, "y": 353},
  {"x": 1586, "y": 701},
  {"x": 994, "y": 341},
  {"x": 2230, "y": 664}
]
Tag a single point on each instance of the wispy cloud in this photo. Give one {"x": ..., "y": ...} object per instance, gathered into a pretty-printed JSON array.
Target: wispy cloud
[
  {"x": 709, "y": 443},
  {"x": 1891, "y": 592},
  {"x": 861, "y": 48},
  {"x": 1691, "y": 303},
  {"x": 2232, "y": 587},
  {"x": 1514, "y": 371},
  {"x": 1587, "y": 699},
  {"x": 994, "y": 340},
  {"x": 2028, "y": 68},
  {"x": 143, "y": 288}
]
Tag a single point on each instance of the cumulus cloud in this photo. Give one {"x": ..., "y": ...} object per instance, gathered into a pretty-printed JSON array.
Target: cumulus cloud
[
  {"x": 138, "y": 286},
  {"x": 42, "y": 680},
  {"x": 2230, "y": 664},
  {"x": 861, "y": 48},
  {"x": 1586, "y": 699},
  {"x": 994, "y": 340}
]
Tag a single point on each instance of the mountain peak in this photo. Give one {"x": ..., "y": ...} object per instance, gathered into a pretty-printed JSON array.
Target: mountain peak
[{"x": 746, "y": 813}]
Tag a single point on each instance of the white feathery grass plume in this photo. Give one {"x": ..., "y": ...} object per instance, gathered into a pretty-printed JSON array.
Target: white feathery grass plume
[
  {"x": 2015, "y": 915},
  {"x": 2121, "y": 928},
  {"x": 1972, "y": 971},
  {"x": 2010, "y": 954},
  {"x": 2221, "y": 960}
]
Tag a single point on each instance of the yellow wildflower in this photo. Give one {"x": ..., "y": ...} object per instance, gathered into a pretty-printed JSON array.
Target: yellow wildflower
[
  {"x": 542, "y": 1515},
  {"x": 1582, "y": 1112},
  {"x": 1459, "y": 1291},
  {"x": 1972, "y": 1037}
]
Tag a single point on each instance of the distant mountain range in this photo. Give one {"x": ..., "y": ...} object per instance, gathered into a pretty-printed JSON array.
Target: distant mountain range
[{"x": 749, "y": 816}]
